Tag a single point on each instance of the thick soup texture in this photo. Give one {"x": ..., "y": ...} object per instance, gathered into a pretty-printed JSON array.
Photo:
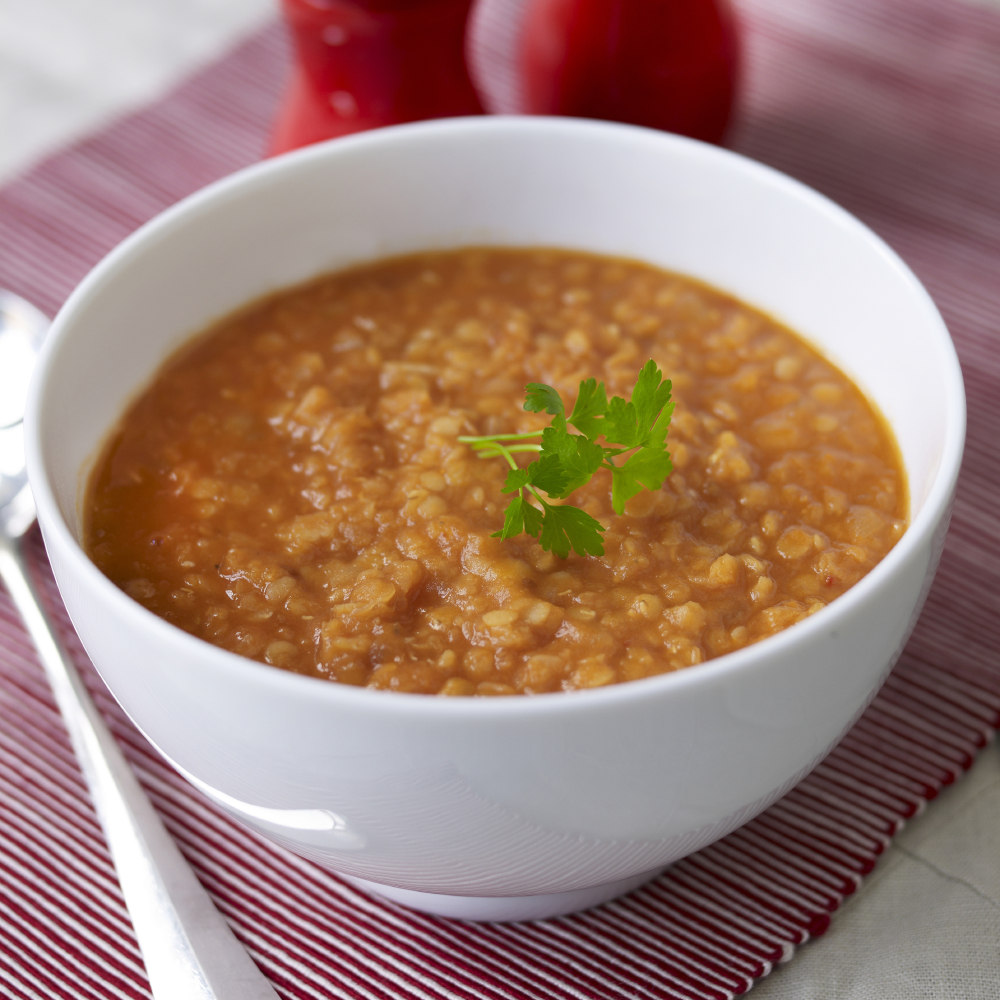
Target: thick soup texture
[{"x": 291, "y": 486}]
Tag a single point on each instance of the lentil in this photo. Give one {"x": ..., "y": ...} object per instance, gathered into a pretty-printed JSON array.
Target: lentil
[{"x": 290, "y": 486}]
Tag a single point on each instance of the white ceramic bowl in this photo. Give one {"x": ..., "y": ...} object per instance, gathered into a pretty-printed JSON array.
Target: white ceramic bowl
[{"x": 511, "y": 807}]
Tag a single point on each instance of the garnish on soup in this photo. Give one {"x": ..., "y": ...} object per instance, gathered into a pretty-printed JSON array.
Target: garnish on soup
[
  {"x": 290, "y": 486},
  {"x": 567, "y": 461}
]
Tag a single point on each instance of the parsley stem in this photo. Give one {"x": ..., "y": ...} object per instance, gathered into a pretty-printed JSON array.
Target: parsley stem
[
  {"x": 493, "y": 451},
  {"x": 487, "y": 439},
  {"x": 503, "y": 451}
]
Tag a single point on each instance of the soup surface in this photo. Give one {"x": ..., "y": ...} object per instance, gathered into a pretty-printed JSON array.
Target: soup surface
[{"x": 291, "y": 486}]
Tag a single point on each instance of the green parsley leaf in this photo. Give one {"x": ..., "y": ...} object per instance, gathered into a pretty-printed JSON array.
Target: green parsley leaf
[
  {"x": 566, "y": 526},
  {"x": 657, "y": 436},
  {"x": 589, "y": 409},
  {"x": 513, "y": 519},
  {"x": 556, "y": 440},
  {"x": 549, "y": 474},
  {"x": 520, "y": 516},
  {"x": 647, "y": 467},
  {"x": 579, "y": 457},
  {"x": 533, "y": 519},
  {"x": 630, "y": 424},
  {"x": 539, "y": 397},
  {"x": 621, "y": 425},
  {"x": 517, "y": 479},
  {"x": 650, "y": 395}
]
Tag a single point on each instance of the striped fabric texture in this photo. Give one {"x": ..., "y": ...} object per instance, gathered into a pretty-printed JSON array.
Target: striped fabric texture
[{"x": 891, "y": 107}]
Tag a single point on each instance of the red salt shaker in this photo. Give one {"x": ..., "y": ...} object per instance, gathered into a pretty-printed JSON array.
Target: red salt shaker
[{"x": 361, "y": 64}]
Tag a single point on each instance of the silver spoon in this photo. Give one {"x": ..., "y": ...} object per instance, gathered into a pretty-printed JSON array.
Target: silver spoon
[{"x": 189, "y": 949}]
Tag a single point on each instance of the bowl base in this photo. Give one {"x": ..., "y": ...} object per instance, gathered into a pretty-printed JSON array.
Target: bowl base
[{"x": 504, "y": 908}]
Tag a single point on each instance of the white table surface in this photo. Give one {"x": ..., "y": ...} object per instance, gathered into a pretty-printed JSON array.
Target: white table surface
[{"x": 926, "y": 924}]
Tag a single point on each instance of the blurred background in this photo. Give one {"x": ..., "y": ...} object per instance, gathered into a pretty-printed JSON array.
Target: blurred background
[{"x": 68, "y": 66}]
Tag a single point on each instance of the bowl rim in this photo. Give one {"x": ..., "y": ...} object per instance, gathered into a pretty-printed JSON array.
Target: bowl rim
[{"x": 934, "y": 510}]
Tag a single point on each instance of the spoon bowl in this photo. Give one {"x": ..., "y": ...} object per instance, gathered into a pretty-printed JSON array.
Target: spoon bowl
[{"x": 22, "y": 328}]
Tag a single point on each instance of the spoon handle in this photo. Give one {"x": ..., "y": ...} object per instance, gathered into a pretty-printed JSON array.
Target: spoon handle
[{"x": 189, "y": 950}]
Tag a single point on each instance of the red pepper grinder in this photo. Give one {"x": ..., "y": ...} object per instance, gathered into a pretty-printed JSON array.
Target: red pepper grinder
[
  {"x": 666, "y": 64},
  {"x": 361, "y": 64}
]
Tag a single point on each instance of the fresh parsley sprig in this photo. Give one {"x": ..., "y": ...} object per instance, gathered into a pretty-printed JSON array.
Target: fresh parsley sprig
[{"x": 567, "y": 461}]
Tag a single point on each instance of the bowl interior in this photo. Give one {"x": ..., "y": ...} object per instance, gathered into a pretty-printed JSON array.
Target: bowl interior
[{"x": 604, "y": 188}]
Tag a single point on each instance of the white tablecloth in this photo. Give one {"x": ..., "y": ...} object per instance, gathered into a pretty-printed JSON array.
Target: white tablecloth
[{"x": 926, "y": 924}]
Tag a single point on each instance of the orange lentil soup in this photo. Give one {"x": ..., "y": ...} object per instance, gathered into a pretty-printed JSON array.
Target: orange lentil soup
[{"x": 291, "y": 486}]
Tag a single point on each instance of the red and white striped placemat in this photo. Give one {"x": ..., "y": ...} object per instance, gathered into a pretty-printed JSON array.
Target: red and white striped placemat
[{"x": 892, "y": 107}]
